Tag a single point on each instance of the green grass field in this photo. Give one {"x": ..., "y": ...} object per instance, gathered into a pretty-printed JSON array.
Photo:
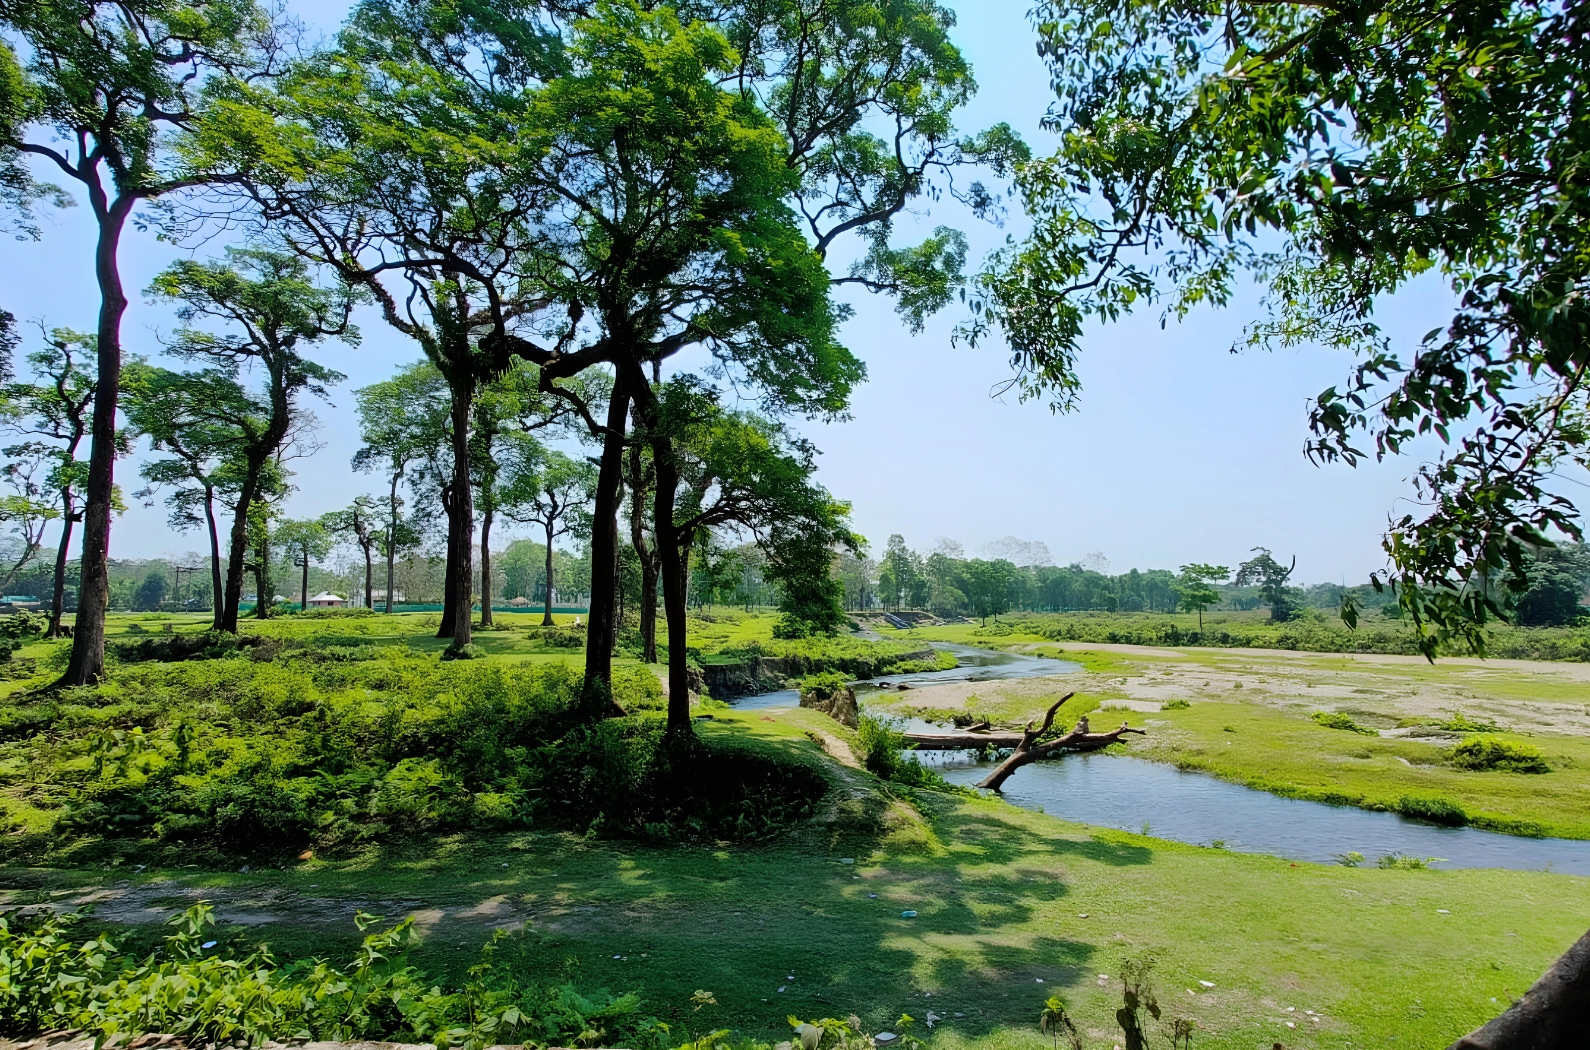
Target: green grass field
[
  {"x": 1383, "y": 958},
  {"x": 1011, "y": 906}
]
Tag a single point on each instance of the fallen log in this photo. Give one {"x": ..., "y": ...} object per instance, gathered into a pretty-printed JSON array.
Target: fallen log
[
  {"x": 1079, "y": 738},
  {"x": 962, "y": 741}
]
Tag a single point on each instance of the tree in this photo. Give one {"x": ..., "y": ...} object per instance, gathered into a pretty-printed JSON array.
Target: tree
[
  {"x": 1193, "y": 591},
  {"x": 1559, "y": 578},
  {"x": 403, "y": 421},
  {"x": 1271, "y": 577},
  {"x": 1334, "y": 154},
  {"x": 306, "y": 540},
  {"x": 107, "y": 91},
  {"x": 274, "y": 310},
  {"x": 508, "y": 412},
  {"x": 23, "y": 509},
  {"x": 202, "y": 420},
  {"x": 683, "y": 182},
  {"x": 722, "y": 469},
  {"x": 987, "y": 585},
  {"x": 554, "y": 496},
  {"x": 58, "y": 406},
  {"x": 640, "y": 478},
  {"x": 359, "y": 523}
]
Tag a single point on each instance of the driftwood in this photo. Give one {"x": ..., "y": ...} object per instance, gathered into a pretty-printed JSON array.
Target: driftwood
[
  {"x": 1551, "y": 1015},
  {"x": 968, "y": 741},
  {"x": 1029, "y": 750}
]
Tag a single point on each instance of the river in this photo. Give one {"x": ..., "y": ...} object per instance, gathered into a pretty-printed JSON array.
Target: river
[{"x": 1116, "y": 791}]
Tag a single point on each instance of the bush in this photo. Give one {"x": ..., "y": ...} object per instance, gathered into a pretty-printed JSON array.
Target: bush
[
  {"x": 1437, "y": 810},
  {"x": 1336, "y": 720},
  {"x": 823, "y": 686},
  {"x": 1175, "y": 705},
  {"x": 1488, "y": 753},
  {"x": 24, "y": 626},
  {"x": 50, "y": 978},
  {"x": 883, "y": 753}
]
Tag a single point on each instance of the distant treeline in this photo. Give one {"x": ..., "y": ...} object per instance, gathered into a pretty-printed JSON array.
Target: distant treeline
[
  {"x": 1314, "y": 630},
  {"x": 946, "y": 583}
]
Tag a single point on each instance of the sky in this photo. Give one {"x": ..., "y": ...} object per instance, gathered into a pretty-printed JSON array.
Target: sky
[{"x": 1178, "y": 451}]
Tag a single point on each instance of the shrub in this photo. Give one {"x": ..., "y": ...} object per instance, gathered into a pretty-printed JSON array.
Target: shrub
[
  {"x": 1458, "y": 723},
  {"x": 1175, "y": 705},
  {"x": 823, "y": 686},
  {"x": 1488, "y": 753},
  {"x": 1406, "y": 862},
  {"x": 1337, "y": 720},
  {"x": 883, "y": 753},
  {"x": 24, "y": 626},
  {"x": 1436, "y": 809},
  {"x": 50, "y": 978}
]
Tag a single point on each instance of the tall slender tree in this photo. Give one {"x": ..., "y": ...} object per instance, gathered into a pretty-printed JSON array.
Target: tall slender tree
[
  {"x": 403, "y": 422},
  {"x": 306, "y": 540},
  {"x": 555, "y": 496},
  {"x": 274, "y": 311},
  {"x": 359, "y": 523},
  {"x": 719, "y": 469},
  {"x": 56, "y": 410},
  {"x": 107, "y": 90}
]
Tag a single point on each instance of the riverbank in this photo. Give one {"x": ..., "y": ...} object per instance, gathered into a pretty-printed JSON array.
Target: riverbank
[
  {"x": 1250, "y": 720},
  {"x": 1010, "y": 907}
]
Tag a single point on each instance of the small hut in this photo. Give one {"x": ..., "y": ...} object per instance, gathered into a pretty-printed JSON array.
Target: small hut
[{"x": 327, "y": 600}]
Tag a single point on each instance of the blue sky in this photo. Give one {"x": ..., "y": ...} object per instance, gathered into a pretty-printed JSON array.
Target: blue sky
[{"x": 1179, "y": 451}]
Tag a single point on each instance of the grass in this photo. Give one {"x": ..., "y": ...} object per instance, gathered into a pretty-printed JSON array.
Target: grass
[
  {"x": 1314, "y": 630},
  {"x": 1252, "y": 716},
  {"x": 1004, "y": 898},
  {"x": 1294, "y": 756},
  {"x": 1415, "y": 957}
]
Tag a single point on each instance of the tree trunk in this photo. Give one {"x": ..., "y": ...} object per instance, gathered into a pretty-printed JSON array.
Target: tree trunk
[
  {"x": 463, "y": 515},
  {"x": 450, "y": 574},
  {"x": 485, "y": 568},
  {"x": 1550, "y": 1016},
  {"x": 604, "y": 557},
  {"x": 1078, "y": 739},
  {"x": 391, "y": 542},
  {"x": 303, "y": 594},
  {"x": 237, "y": 552},
  {"x": 369, "y": 574},
  {"x": 58, "y": 593},
  {"x": 674, "y": 567},
  {"x": 215, "y": 558},
  {"x": 645, "y": 554},
  {"x": 87, "y": 663},
  {"x": 546, "y": 615}
]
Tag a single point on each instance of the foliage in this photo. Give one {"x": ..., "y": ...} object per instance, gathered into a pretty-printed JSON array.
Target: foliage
[
  {"x": 1435, "y": 809},
  {"x": 306, "y": 735},
  {"x": 49, "y": 979},
  {"x": 1405, "y": 862},
  {"x": 1271, "y": 577},
  {"x": 23, "y": 625},
  {"x": 1337, "y": 720},
  {"x": 1483, "y": 753},
  {"x": 883, "y": 752},
  {"x": 1336, "y": 157}
]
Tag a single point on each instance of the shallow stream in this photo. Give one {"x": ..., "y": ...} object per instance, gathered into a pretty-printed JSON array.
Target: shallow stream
[{"x": 1133, "y": 794}]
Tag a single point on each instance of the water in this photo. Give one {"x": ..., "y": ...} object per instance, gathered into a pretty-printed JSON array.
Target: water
[
  {"x": 977, "y": 665},
  {"x": 1119, "y": 792}
]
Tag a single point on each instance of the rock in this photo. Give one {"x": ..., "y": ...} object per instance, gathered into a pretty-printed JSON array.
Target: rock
[{"x": 840, "y": 705}]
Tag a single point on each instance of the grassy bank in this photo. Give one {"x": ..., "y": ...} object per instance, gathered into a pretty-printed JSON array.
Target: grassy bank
[
  {"x": 1005, "y": 899},
  {"x": 1311, "y": 631},
  {"x": 1251, "y": 718},
  {"x": 1298, "y": 757}
]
